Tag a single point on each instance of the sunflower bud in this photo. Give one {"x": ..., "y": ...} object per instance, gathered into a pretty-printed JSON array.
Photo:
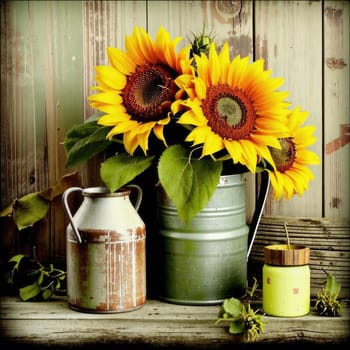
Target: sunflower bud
[{"x": 201, "y": 43}]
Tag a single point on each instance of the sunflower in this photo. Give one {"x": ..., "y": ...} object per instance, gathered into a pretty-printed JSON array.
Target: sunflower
[
  {"x": 291, "y": 175},
  {"x": 232, "y": 106},
  {"x": 137, "y": 89}
]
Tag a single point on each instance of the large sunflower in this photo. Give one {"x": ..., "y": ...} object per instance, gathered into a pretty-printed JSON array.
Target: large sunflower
[
  {"x": 292, "y": 175},
  {"x": 137, "y": 90},
  {"x": 233, "y": 106}
]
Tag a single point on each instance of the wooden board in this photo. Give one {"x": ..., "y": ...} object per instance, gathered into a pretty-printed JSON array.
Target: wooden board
[
  {"x": 41, "y": 98},
  {"x": 156, "y": 324},
  {"x": 290, "y": 41},
  {"x": 328, "y": 240},
  {"x": 336, "y": 102}
]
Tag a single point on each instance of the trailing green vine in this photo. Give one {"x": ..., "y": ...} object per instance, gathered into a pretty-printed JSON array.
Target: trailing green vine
[
  {"x": 23, "y": 274},
  {"x": 34, "y": 281}
]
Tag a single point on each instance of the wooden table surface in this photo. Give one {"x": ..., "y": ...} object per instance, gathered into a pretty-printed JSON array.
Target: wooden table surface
[{"x": 155, "y": 325}]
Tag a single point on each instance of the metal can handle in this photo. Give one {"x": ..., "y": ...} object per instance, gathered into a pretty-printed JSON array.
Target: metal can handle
[
  {"x": 65, "y": 195},
  {"x": 260, "y": 205},
  {"x": 139, "y": 195}
]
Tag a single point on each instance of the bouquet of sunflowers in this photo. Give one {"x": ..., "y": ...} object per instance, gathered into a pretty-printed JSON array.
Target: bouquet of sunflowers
[{"x": 193, "y": 114}]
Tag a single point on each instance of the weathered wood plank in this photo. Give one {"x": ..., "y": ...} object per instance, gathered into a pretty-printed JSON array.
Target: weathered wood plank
[
  {"x": 336, "y": 102},
  {"x": 288, "y": 35},
  {"x": 328, "y": 239},
  {"x": 41, "y": 98},
  {"x": 105, "y": 23},
  {"x": 156, "y": 324}
]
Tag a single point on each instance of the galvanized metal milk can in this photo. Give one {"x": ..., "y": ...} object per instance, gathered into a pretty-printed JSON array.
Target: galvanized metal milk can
[
  {"x": 106, "y": 258},
  {"x": 205, "y": 261}
]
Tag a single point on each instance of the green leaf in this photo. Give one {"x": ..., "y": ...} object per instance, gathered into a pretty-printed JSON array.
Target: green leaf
[
  {"x": 66, "y": 181},
  {"x": 188, "y": 182},
  {"x": 233, "y": 307},
  {"x": 6, "y": 211},
  {"x": 94, "y": 117},
  {"x": 41, "y": 277},
  {"x": 46, "y": 294},
  {"x": 17, "y": 259},
  {"x": 237, "y": 327},
  {"x": 29, "y": 209},
  {"x": 332, "y": 286},
  {"x": 29, "y": 292},
  {"x": 85, "y": 141},
  {"x": 118, "y": 170}
]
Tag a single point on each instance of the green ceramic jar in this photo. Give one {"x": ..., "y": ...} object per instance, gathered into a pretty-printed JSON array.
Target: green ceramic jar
[{"x": 286, "y": 281}]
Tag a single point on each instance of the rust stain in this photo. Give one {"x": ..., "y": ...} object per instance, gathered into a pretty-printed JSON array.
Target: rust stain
[
  {"x": 336, "y": 202},
  {"x": 333, "y": 14},
  {"x": 335, "y": 63},
  {"x": 341, "y": 141},
  {"x": 311, "y": 221},
  {"x": 262, "y": 51},
  {"x": 121, "y": 268}
]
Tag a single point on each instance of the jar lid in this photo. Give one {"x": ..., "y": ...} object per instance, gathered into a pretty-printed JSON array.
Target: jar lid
[{"x": 284, "y": 255}]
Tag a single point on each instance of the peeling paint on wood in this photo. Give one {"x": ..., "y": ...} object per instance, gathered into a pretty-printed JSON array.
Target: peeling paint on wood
[
  {"x": 336, "y": 63},
  {"x": 341, "y": 141}
]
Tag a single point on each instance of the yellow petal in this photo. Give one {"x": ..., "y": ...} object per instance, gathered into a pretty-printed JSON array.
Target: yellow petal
[
  {"x": 111, "y": 77},
  {"x": 142, "y": 140},
  {"x": 198, "y": 135},
  {"x": 276, "y": 183},
  {"x": 113, "y": 119},
  {"x": 200, "y": 89},
  {"x": 297, "y": 118},
  {"x": 308, "y": 157},
  {"x": 133, "y": 50},
  {"x": 106, "y": 97},
  {"x": 215, "y": 68},
  {"x": 265, "y": 153},
  {"x": 234, "y": 148},
  {"x": 113, "y": 109},
  {"x": 158, "y": 132},
  {"x": 249, "y": 154},
  {"x": 305, "y": 136},
  {"x": 192, "y": 118},
  {"x": 224, "y": 62},
  {"x": 120, "y": 61},
  {"x": 145, "y": 43},
  {"x": 130, "y": 142},
  {"x": 267, "y": 140},
  {"x": 129, "y": 125},
  {"x": 213, "y": 143}
]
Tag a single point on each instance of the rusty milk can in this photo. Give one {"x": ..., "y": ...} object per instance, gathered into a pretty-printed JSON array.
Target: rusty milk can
[{"x": 106, "y": 257}]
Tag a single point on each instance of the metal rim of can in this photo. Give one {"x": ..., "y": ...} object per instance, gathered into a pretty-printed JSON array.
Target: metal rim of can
[{"x": 103, "y": 192}]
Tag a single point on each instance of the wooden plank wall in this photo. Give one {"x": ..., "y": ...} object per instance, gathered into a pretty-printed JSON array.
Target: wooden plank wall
[
  {"x": 41, "y": 98},
  {"x": 49, "y": 50}
]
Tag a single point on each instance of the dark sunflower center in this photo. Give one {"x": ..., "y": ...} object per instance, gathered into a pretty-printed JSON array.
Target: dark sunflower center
[
  {"x": 284, "y": 157},
  {"x": 229, "y": 111},
  {"x": 149, "y": 92}
]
